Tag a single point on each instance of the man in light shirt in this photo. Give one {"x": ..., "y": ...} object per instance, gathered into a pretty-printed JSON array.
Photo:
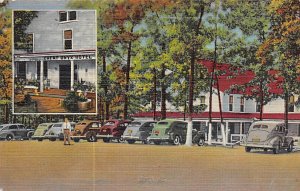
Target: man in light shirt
[{"x": 67, "y": 131}]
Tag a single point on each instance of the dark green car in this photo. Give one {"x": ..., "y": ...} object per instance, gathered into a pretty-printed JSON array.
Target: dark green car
[{"x": 171, "y": 131}]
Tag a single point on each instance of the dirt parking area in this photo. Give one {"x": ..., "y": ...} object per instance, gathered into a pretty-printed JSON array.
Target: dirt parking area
[{"x": 33, "y": 165}]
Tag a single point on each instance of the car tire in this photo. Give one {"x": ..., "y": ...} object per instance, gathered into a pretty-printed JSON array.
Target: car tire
[
  {"x": 156, "y": 142},
  {"x": 247, "y": 149},
  {"x": 40, "y": 139},
  {"x": 201, "y": 142},
  {"x": 52, "y": 139},
  {"x": 290, "y": 147},
  {"x": 121, "y": 140},
  {"x": 130, "y": 141},
  {"x": 91, "y": 137},
  {"x": 76, "y": 140},
  {"x": 106, "y": 140},
  {"x": 29, "y": 135},
  {"x": 145, "y": 142},
  {"x": 9, "y": 137},
  {"x": 176, "y": 140},
  {"x": 265, "y": 150},
  {"x": 276, "y": 149}
]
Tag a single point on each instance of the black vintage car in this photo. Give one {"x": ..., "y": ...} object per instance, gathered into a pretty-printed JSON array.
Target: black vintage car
[{"x": 15, "y": 131}]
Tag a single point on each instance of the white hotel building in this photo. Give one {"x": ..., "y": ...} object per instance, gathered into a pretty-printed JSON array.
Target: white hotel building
[{"x": 63, "y": 50}]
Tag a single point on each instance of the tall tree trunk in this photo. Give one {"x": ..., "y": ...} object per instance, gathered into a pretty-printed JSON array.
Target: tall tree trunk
[
  {"x": 126, "y": 100},
  {"x": 261, "y": 94},
  {"x": 191, "y": 81},
  {"x": 107, "y": 114},
  {"x": 163, "y": 93},
  {"x": 154, "y": 94},
  {"x": 286, "y": 108}
]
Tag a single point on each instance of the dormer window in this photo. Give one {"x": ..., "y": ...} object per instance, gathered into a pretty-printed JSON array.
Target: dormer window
[{"x": 67, "y": 16}]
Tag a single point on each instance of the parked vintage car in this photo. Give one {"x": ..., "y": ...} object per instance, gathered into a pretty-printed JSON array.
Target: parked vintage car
[
  {"x": 113, "y": 129},
  {"x": 86, "y": 129},
  {"x": 40, "y": 131},
  {"x": 169, "y": 130},
  {"x": 15, "y": 131},
  {"x": 268, "y": 135},
  {"x": 56, "y": 131},
  {"x": 138, "y": 131}
]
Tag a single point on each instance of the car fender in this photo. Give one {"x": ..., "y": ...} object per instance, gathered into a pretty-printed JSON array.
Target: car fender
[
  {"x": 274, "y": 141},
  {"x": 30, "y": 133}
]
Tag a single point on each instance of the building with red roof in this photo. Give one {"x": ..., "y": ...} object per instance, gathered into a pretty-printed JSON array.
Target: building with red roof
[{"x": 238, "y": 112}]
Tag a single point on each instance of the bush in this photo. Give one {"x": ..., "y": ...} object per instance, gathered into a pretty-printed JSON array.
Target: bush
[{"x": 70, "y": 102}]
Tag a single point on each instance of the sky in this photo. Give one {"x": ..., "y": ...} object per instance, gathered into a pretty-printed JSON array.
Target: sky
[{"x": 37, "y": 4}]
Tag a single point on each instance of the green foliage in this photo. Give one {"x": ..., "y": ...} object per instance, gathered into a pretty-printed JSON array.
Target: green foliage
[{"x": 21, "y": 21}]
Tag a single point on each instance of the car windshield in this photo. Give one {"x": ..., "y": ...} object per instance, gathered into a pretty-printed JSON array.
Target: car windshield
[
  {"x": 135, "y": 123},
  {"x": 163, "y": 123},
  {"x": 110, "y": 123},
  {"x": 42, "y": 126},
  {"x": 81, "y": 123},
  {"x": 260, "y": 126},
  {"x": 56, "y": 126}
]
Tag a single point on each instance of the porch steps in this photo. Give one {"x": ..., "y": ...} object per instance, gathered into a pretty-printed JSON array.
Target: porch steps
[{"x": 48, "y": 95}]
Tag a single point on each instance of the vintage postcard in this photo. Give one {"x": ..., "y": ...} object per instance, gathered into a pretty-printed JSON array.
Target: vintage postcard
[{"x": 143, "y": 95}]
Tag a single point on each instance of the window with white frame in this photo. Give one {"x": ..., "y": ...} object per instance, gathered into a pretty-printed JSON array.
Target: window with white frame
[
  {"x": 202, "y": 100},
  {"x": 67, "y": 16},
  {"x": 68, "y": 39},
  {"x": 230, "y": 103},
  {"x": 242, "y": 104},
  {"x": 291, "y": 104},
  {"x": 258, "y": 106}
]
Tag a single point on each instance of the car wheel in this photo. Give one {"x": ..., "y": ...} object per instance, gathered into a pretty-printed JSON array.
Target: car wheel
[
  {"x": 52, "y": 139},
  {"x": 156, "y": 142},
  {"x": 9, "y": 137},
  {"x": 201, "y": 142},
  {"x": 29, "y": 135},
  {"x": 131, "y": 141},
  {"x": 265, "y": 150},
  {"x": 247, "y": 149},
  {"x": 91, "y": 137},
  {"x": 176, "y": 141},
  {"x": 276, "y": 149},
  {"x": 146, "y": 142},
  {"x": 121, "y": 140},
  {"x": 106, "y": 140},
  {"x": 290, "y": 147},
  {"x": 40, "y": 139},
  {"x": 76, "y": 140}
]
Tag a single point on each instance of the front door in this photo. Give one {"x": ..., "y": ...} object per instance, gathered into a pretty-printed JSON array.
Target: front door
[{"x": 65, "y": 77}]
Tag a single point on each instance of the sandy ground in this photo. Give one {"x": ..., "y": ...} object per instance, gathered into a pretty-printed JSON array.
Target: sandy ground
[{"x": 32, "y": 165}]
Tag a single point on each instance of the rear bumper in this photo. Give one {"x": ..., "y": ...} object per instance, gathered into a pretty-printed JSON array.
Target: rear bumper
[
  {"x": 258, "y": 146},
  {"x": 164, "y": 139},
  {"x": 127, "y": 137},
  {"x": 105, "y": 136},
  {"x": 37, "y": 137}
]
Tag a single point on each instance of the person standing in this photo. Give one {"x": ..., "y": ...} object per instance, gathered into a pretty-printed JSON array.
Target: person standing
[{"x": 67, "y": 131}]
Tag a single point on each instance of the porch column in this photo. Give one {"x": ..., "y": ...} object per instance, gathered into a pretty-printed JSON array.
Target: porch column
[
  {"x": 241, "y": 129},
  {"x": 72, "y": 74},
  {"x": 42, "y": 76},
  {"x": 226, "y": 132}
]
